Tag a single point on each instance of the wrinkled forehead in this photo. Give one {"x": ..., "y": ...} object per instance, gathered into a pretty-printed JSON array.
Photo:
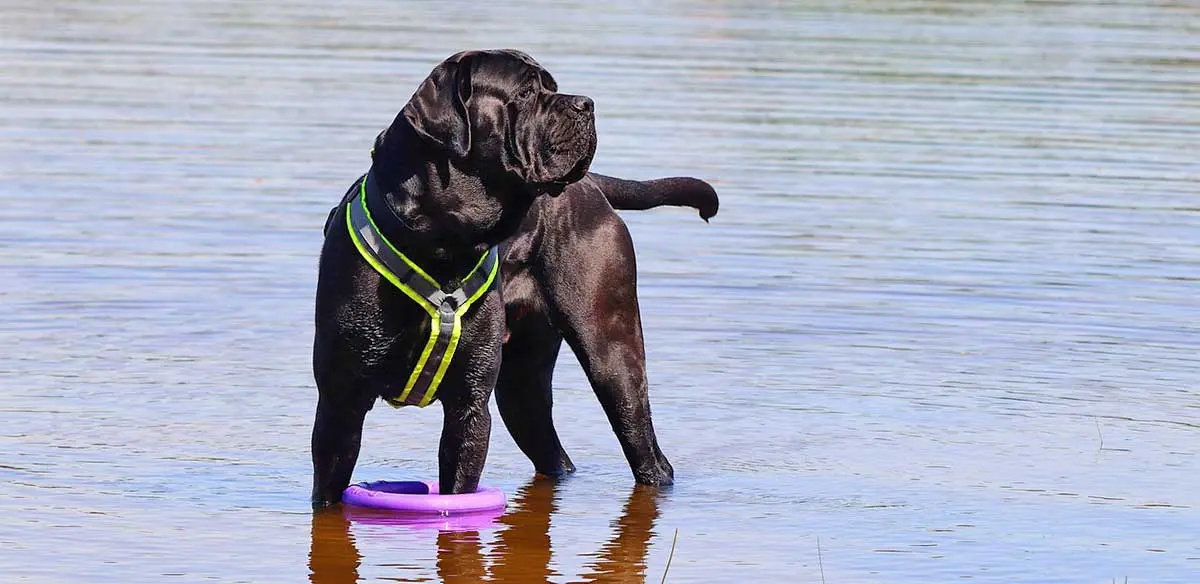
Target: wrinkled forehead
[{"x": 507, "y": 69}]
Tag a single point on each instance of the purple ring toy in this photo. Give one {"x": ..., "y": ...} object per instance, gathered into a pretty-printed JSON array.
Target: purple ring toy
[{"x": 421, "y": 498}]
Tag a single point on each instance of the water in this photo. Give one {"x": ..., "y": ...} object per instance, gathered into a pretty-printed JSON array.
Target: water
[{"x": 945, "y": 326}]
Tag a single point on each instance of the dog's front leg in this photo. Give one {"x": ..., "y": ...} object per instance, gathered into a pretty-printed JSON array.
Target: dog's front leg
[
  {"x": 464, "y": 447},
  {"x": 467, "y": 424},
  {"x": 336, "y": 440}
]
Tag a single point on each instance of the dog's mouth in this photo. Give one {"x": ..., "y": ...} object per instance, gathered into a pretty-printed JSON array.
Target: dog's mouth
[
  {"x": 555, "y": 186},
  {"x": 578, "y": 171},
  {"x": 572, "y": 154}
]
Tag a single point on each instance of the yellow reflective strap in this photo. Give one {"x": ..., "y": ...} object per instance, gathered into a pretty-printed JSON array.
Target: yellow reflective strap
[
  {"x": 386, "y": 273},
  {"x": 447, "y": 356},
  {"x": 458, "y": 314},
  {"x": 484, "y": 288},
  {"x": 416, "y": 373},
  {"x": 482, "y": 259},
  {"x": 420, "y": 300},
  {"x": 362, "y": 196}
]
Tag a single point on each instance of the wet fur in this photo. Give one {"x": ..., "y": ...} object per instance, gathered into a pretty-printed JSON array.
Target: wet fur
[
  {"x": 568, "y": 273},
  {"x": 483, "y": 136}
]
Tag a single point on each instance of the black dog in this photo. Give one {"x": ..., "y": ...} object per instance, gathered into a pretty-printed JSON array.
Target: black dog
[{"x": 454, "y": 175}]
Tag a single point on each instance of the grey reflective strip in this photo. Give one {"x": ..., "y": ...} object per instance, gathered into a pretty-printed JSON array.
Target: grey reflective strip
[
  {"x": 480, "y": 276},
  {"x": 374, "y": 242},
  {"x": 425, "y": 378}
]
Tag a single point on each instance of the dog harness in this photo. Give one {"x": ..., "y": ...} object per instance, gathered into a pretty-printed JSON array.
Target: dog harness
[{"x": 445, "y": 308}]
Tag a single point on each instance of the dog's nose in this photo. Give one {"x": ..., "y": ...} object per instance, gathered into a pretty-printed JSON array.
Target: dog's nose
[{"x": 582, "y": 103}]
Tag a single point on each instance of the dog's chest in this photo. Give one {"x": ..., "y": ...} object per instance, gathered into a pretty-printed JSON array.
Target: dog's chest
[{"x": 385, "y": 344}]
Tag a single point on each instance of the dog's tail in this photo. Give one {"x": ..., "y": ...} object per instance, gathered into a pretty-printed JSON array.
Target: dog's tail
[{"x": 637, "y": 195}]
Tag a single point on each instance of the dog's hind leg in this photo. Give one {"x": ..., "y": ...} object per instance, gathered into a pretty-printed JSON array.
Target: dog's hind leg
[
  {"x": 336, "y": 440},
  {"x": 595, "y": 306},
  {"x": 523, "y": 393},
  {"x": 615, "y": 364}
]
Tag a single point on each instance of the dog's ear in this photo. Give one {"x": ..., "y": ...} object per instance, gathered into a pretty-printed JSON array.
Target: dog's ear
[{"x": 438, "y": 109}]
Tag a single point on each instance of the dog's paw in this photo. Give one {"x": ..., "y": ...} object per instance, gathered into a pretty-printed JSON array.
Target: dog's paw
[{"x": 657, "y": 475}]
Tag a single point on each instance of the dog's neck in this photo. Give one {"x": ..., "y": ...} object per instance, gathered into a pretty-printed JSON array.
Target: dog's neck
[{"x": 442, "y": 220}]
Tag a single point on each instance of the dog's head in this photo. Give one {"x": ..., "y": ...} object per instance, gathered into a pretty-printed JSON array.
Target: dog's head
[{"x": 499, "y": 112}]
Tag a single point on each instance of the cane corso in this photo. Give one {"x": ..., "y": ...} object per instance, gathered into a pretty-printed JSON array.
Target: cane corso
[{"x": 459, "y": 173}]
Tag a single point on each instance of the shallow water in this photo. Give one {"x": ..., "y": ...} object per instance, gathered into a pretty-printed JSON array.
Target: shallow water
[{"x": 945, "y": 326}]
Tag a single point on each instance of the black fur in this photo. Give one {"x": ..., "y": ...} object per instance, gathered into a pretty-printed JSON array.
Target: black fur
[{"x": 462, "y": 168}]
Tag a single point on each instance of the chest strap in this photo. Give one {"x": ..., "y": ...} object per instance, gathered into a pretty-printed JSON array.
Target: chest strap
[{"x": 445, "y": 309}]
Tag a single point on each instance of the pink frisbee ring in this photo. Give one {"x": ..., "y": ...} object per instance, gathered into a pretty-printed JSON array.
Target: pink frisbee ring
[{"x": 421, "y": 498}]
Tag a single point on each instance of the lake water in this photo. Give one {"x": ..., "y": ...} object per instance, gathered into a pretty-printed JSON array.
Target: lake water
[{"x": 945, "y": 326}]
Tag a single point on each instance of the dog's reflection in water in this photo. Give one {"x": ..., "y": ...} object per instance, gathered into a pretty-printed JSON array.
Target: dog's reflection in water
[{"x": 521, "y": 552}]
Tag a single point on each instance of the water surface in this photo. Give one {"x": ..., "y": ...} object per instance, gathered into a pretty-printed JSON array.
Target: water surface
[{"x": 945, "y": 326}]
